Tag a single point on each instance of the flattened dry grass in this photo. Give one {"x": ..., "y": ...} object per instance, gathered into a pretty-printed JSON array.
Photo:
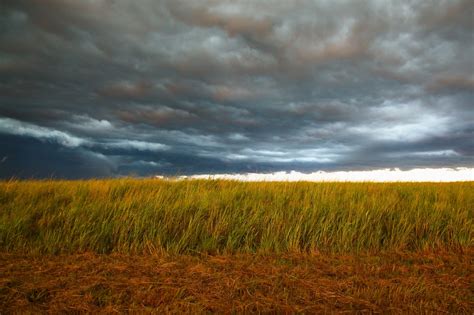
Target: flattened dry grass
[
  {"x": 221, "y": 217},
  {"x": 390, "y": 282}
]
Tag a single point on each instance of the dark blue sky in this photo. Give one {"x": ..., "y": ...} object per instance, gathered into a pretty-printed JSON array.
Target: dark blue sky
[{"x": 114, "y": 87}]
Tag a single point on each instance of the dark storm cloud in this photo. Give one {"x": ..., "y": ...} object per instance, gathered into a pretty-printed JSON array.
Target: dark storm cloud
[
  {"x": 30, "y": 158},
  {"x": 114, "y": 87}
]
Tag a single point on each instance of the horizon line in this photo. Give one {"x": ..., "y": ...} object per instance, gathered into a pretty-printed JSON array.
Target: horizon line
[{"x": 458, "y": 174}]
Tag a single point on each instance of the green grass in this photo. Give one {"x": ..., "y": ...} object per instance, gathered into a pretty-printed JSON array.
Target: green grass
[{"x": 195, "y": 216}]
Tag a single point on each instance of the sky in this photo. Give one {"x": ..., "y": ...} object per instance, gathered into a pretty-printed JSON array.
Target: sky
[{"x": 108, "y": 88}]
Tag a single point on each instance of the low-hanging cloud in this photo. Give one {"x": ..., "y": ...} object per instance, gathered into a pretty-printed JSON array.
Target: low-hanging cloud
[
  {"x": 381, "y": 175},
  {"x": 15, "y": 127}
]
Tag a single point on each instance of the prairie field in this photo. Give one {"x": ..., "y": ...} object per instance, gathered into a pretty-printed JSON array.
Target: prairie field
[{"x": 228, "y": 246}]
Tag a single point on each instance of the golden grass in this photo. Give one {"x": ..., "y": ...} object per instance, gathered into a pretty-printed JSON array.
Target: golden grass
[{"x": 222, "y": 217}]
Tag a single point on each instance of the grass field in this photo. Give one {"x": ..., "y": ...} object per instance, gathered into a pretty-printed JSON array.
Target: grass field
[
  {"x": 201, "y": 245},
  {"x": 143, "y": 216}
]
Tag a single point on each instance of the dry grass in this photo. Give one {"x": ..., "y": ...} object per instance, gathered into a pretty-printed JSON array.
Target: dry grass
[{"x": 389, "y": 282}]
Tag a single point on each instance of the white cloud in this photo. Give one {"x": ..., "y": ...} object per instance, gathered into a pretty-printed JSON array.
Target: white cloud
[
  {"x": 137, "y": 145},
  {"x": 319, "y": 155},
  {"x": 382, "y": 175},
  {"x": 439, "y": 153},
  {"x": 403, "y": 122},
  {"x": 90, "y": 124},
  {"x": 19, "y": 128}
]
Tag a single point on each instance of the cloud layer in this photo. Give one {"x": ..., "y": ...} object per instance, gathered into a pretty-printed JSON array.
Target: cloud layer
[
  {"x": 382, "y": 175},
  {"x": 185, "y": 87}
]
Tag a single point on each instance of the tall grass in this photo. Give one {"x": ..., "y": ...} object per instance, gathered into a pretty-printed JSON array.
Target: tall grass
[{"x": 216, "y": 216}]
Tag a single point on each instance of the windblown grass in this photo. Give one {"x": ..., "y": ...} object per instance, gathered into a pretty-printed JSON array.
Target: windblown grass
[{"x": 216, "y": 216}]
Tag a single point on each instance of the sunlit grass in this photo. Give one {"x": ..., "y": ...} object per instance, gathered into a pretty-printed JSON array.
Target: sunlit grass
[{"x": 147, "y": 216}]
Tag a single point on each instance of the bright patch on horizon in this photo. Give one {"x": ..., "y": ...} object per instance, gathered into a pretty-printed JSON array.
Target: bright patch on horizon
[{"x": 382, "y": 175}]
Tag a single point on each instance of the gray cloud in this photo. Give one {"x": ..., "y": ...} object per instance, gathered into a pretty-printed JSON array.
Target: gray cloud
[
  {"x": 11, "y": 126},
  {"x": 220, "y": 86}
]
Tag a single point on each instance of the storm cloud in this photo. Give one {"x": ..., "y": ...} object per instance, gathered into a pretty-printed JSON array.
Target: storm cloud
[{"x": 113, "y": 87}]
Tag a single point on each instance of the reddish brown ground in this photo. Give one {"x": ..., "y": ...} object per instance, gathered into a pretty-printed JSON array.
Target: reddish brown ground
[{"x": 438, "y": 282}]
